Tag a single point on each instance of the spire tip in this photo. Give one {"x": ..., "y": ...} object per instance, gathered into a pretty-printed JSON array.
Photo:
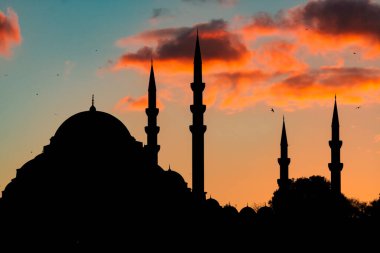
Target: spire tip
[{"x": 92, "y": 108}]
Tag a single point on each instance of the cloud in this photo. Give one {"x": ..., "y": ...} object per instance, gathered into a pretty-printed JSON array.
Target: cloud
[
  {"x": 10, "y": 34},
  {"x": 159, "y": 14},
  {"x": 177, "y": 44},
  {"x": 129, "y": 103},
  {"x": 333, "y": 17},
  {"x": 234, "y": 91},
  {"x": 279, "y": 57},
  {"x": 337, "y": 17},
  {"x": 317, "y": 25},
  {"x": 224, "y": 3},
  {"x": 292, "y": 59},
  {"x": 352, "y": 85}
]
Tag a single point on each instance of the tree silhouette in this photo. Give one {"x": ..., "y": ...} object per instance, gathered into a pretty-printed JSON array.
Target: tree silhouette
[{"x": 310, "y": 199}]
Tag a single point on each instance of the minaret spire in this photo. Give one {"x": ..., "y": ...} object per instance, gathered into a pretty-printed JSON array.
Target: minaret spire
[
  {"x": 152, "y": 148},
  {"x": 198, "y": 128},
  {"x": 197, "y": 62},
  {"x": 335, "y": 144},
  {"x": 284, "y": 161}
]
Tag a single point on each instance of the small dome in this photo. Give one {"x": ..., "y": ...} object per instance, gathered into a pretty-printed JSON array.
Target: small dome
[
  {"x": 247, "y": 211},
  {"x": 230, "y": 210},
  {"x": 212, "y": 203},
  {"x": 174, "y": 176}
]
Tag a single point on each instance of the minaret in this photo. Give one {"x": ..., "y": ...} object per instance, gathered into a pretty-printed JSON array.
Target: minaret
[
  {"x": 152, "y": 129},
  {"x": 284, "y": 182},
  {"x": 335, "y": 144},
  {"x": 198, "y": 128}
]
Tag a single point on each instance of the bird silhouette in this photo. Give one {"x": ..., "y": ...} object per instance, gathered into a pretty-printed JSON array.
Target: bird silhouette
[
  {"x": 357, "y": 107},
  {"x": 272, "y": 109}
]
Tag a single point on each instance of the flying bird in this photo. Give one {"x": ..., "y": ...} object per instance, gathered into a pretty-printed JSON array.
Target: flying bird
[
  {"x": 272, "y": 109},
  {"x": 357, "y": 107}
]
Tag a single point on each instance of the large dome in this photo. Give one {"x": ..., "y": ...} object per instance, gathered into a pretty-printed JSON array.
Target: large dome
[
  {"x": 91, "y": 128},
  {"x": 86, "y": 121}
]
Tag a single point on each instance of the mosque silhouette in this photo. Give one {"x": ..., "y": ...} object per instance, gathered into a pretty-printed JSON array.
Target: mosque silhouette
[{"x": 95, "y": 186}]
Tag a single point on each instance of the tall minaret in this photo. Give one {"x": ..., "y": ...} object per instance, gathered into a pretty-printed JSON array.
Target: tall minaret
[
  {"x": 335, "y": 144},
  {"x": 152, "y": 129},
  {"x": 284, "y": 182},
  {"x": 198, "y": 128}
]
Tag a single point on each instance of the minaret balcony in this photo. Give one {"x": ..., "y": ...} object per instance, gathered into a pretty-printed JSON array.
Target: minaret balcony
[
  {"x": 335, "y": 144},
  {"x": 152, "y": 129},
  {"x": 198, "y": 87},
  {"x": 198, "y": 129},
  {"x": 197, "y": 109},
  {"x": 335, "y": 167},
  {"x": 283, "y": 161},
  {"x": 152, "y": 111}
]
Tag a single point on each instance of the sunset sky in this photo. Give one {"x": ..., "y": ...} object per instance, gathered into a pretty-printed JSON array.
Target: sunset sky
[{"x": 289, "y": 55}]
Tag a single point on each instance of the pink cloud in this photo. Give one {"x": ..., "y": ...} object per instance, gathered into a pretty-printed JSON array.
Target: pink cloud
[{"x": 10, "y": 34}]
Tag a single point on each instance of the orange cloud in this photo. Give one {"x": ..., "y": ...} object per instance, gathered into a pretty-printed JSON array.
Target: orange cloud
[
  {"x": 353, "y": 85},
  {"x": 177, "y": 44},
  {"x": 294, "y": 59},
  {"x": 279, "y": 56},
  {"x": 324, "y": 25},
  {"x": 10, "y": 34},
  {"x": 129, "y": 103}
]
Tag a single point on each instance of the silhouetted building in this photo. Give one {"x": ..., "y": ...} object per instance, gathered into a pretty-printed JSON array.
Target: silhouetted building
[
  {"x": 198, "y": 128},
  {"x": 284, "y": 182},
  {"x": 335, "y": 165},
  {"x": 92, "y": 185},
  {"x": 152, "y": 129}
]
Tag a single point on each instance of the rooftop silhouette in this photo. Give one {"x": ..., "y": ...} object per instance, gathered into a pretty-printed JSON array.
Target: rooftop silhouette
[{"x": 94, "y": 185}]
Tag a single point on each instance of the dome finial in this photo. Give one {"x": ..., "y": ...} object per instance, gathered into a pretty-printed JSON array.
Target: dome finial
[
  {"x": 92, "y": 108},
  {"x": 169, "y": 167}
]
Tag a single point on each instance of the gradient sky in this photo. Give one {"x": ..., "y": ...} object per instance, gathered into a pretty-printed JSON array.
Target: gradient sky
[{"x": 290, "y": 55}]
